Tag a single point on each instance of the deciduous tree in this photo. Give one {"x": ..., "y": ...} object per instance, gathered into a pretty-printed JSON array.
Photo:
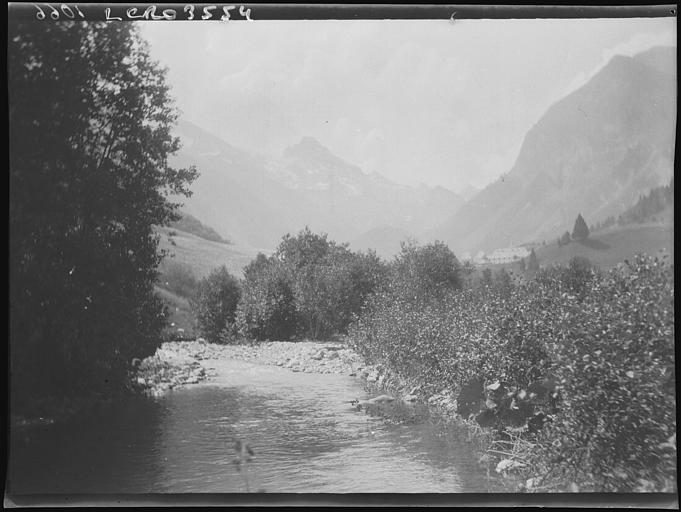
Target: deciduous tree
[{"x": 90, "y": 119}]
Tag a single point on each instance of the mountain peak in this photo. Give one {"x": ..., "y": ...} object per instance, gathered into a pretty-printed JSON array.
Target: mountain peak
[{"x": 307, "y": 146}]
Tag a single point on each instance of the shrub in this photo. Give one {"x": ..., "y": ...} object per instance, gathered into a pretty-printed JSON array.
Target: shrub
[
  {"x": 215, "y": 304},
  {"x": 614, "y": 355},
  {"x": 267, "y": 307},
  {"x": 426, "y": 269},
  {"x": 590, "y": 353},
  {"x": 311, "y": 287}
]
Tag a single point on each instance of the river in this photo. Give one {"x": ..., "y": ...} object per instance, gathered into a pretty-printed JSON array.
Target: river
[{"x": 305, "y": 435}]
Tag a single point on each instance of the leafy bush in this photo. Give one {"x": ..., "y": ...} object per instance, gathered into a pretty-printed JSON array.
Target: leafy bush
[
  {"x": 426, "y": 269},
  {"x": 613, "y": 353},
  {"x": 267, "y": 307},
  {"x": 589, "y": 353},
  {"x": 215, "y": 304},
  {"x": 311, "y": 287}
]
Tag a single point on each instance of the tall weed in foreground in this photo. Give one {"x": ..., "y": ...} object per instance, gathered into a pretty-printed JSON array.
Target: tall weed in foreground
[{"x": 602, "y": 342}]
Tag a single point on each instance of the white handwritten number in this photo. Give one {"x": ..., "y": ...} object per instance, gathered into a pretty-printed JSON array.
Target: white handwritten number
[
  {"x": 189, "y": 8},
  {"x": 206, "y": 12},
  {"x": 68, "y": 12},
  {"x": 54, "y": 14},
  {"x": 226, "y": 11},
  {"x": 40, "y": 14},
  {"x": 245, "y": 12},
  {"x": 65, "y": 9}
]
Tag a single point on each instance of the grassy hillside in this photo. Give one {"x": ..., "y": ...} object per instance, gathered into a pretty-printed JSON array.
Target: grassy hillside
[
  {"x": 204, "y": 255},
  {"x": 201, "y": 256},
  {"x": 190, "y": 224},
  {"x": 611, "y": 246},
  {"x": 605, "y": 248}
]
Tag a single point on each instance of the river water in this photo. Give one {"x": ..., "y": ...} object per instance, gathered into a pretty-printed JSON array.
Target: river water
[{"x": 305, "y": 435}]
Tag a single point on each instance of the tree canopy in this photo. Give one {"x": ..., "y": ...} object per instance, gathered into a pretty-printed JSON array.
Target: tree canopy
[
  {"x": 310, "y": 287},
  {"x": 90, "y": 119}
]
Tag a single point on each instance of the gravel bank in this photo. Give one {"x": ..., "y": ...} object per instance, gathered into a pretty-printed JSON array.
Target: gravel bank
[{"x": 181, "y": 363}]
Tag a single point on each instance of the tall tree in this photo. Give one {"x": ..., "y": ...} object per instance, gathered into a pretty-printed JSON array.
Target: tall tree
[
  {"x": 90, "y": 118},
  {"x": 565, "y": 239},
  {"x": 581, "y": 230},
  {"x": 215, "y": 305},
  {"x": 533, "y": 261},
  {"x": 428, "y": 268}
]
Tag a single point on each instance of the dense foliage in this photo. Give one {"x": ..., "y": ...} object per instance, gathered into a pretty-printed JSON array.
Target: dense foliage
[
  {"x": 267, "y": 309},
  {"x": 310, "y": 287},
  {"x": 590, "y": 353},
  {"x": 426, "y": 270},
  {"x": 215, "y": 305},
  {"x": 613, "y": 353},
  {"x": 89, "y": 127}
]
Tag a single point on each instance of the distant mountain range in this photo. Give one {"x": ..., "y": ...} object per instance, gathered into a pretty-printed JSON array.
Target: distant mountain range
[
  {"x": 593, "y": 152},
  {"x": 257, "y": 200}
]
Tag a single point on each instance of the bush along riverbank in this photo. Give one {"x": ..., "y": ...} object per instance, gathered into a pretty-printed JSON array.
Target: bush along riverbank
[{"x": 572, "y": 372}]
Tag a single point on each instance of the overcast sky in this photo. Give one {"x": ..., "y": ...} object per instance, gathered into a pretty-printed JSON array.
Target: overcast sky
[{"x": 417, "y": 101}]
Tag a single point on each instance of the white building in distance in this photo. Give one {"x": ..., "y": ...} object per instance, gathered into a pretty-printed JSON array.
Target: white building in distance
[{"x": 508, "y": 255}]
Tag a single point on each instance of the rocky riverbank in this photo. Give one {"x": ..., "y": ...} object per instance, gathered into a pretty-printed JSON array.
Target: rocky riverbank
[{"x": 188, "y": 362}]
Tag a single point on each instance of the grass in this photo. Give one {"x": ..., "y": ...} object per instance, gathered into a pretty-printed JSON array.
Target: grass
[
  {"x": 604, "y": 248},
  {"x": 204, "y": 255},
  {"x": 609, "y": 247}
]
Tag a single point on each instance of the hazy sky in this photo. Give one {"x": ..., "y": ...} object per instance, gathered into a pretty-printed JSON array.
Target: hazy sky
[{"x": 418, "y": 101}]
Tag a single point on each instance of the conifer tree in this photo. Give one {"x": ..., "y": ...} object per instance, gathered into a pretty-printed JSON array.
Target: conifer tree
[
  {"x": 581, "y": 230},
  {"x": 533, "y": 263},
  {"x": 565, "y": 239}
]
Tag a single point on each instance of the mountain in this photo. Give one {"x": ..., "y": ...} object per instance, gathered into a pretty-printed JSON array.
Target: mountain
[
  {"x": 233, "y": 193},
  {"x": 593, "y": 152},
  {"x": 257, "y": 200},
  {"x": 468, "y": 192}
]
